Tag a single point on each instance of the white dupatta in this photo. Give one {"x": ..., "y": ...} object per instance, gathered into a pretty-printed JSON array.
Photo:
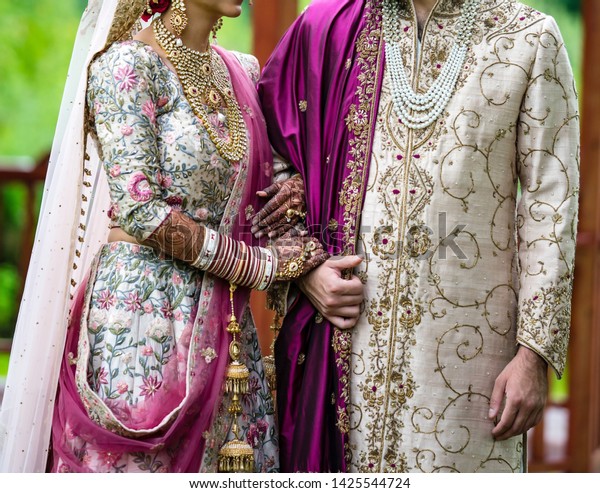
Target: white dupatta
[{"x": 72, "y": 225}]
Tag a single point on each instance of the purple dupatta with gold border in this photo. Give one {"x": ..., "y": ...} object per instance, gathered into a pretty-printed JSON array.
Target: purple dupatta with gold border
[{"x": 320, "y": 93}]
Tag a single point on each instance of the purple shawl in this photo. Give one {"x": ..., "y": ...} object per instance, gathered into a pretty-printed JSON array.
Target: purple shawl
[
  {"x": 320, "y": 94},
  {"x": 183, "y": 438}
]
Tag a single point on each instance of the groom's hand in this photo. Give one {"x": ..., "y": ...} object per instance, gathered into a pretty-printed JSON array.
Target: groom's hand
[
  {"x": 338, "y": 299},
  {"x": 519, "y": 395}
]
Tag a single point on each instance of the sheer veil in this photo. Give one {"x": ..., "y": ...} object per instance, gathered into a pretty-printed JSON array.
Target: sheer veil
[{"x": 72, "y": 225}]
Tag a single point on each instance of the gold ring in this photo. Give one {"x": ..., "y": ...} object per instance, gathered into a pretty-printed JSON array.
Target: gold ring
[{"x": 290, "y": 213}]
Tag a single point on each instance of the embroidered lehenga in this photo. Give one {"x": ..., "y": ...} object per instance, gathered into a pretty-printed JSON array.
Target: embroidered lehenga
[
  {"x": 144, "y": 317},
  {"x": 123, "y": 350}
]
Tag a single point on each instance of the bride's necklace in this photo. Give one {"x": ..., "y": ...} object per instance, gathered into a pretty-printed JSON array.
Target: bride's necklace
[
  {"x": 418, "y": 110},
  {"x": 205, "y": 83}
]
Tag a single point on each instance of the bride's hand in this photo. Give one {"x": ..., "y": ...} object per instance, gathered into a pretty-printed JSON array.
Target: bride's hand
[
  {"x": 284, "y": 209},
  {"x": 297, "y": 254}
]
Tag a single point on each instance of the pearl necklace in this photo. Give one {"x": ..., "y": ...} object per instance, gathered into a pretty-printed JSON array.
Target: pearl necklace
[
  {"x": 416, "y": 110},
  {"x": 205, "y": 83}
]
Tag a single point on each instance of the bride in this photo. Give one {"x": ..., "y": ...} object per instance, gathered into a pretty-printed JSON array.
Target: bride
[{"x": 126, "y": 342}]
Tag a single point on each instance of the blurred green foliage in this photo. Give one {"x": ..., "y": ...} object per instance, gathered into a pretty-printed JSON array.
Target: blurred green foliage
[
  {"x": 573, "y": 5},
  {"x": 36, "y": 38},
  {"x": 3, "y": 365}
]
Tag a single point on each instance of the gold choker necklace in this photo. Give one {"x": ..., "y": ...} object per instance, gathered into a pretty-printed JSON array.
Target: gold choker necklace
[{"x": 205, "y": 83}]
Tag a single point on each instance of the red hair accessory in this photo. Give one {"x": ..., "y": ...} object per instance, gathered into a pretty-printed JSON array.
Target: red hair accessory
[{"x": 156, "y": 7}]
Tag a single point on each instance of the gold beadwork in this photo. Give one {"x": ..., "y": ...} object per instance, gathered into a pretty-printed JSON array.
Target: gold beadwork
[
  {"x": 236, "y": 455},
  {"x": 294, "y": 267},
  {"x": 124, "y": 20},
  {"x": 205, "y": 82},
  {"x": 291, "y": 269},
  {"x": 216, "y": 28},
  {"x": 269, "y": 361}
]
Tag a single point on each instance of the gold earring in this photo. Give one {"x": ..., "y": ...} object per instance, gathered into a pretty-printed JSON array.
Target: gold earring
[
  {"x": 179, "y": 18},
  {"x": 148, "y": 7},
  {"x": 215, "y": 29}
]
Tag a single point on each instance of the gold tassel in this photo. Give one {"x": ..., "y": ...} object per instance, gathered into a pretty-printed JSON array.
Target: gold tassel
[
  {"x": 236, "y": 455},
  {"x": 269, "y": 361}
]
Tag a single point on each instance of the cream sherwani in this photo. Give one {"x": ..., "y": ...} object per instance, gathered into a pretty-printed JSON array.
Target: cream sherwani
[{"x": 469, "y": 231}]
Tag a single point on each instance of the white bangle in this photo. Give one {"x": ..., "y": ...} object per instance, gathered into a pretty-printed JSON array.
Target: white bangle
[
  {"x": 209, "y": 249},
  {"x": 270, "y": 263}
]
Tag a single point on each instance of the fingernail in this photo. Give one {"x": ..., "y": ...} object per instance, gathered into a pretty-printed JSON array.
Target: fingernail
[
  {"x": 491, "y": 413},
  {"x": 254, "y": 220},
  {"x": 254, "y": 229},
  {"x": 259, "y": 234}
]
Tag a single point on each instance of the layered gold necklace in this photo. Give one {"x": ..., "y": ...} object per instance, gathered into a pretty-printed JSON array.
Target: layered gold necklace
[{"x": 206, "y": 83}]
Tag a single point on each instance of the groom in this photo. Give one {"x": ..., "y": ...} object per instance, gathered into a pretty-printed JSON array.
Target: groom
[{"x": 439, "y": 141}]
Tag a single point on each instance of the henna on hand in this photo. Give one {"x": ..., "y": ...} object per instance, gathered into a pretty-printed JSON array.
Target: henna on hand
[
  {"x": 297, "y": 254},
  {"x": 178, "y": 237},
  {"x": 285, "y": 208}
]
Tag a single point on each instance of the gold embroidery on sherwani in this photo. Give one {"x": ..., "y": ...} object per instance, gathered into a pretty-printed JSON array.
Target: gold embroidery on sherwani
[
  {"x": 359, "y": 123},
  {"x": 459, "y": 268}
]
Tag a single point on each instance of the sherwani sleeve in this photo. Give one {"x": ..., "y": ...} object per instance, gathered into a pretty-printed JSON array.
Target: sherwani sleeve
[{"x": 548, "y": 164}]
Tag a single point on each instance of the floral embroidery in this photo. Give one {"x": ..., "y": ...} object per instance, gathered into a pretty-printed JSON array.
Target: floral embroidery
[
  {"x": 139, "y": 188},
  {"x": 359, "y": 126},
  {"x": 209, "y": 354},
  {"x": 256, "y": 433},
  {"x": 126, "y": 77},
  {"x": 150, "y": 386},
  {"x": 449, "y": 286},
  {"x": 149, "y": 109},
  {"x": 137, "y": 341}
]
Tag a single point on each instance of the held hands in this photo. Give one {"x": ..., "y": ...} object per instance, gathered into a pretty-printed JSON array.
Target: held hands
[
  {"x": 337, "y": 299},
  {"x": 283, "y": 211},
  {"x": 297, "y": 254},
  {"x": 524, "y": 384},
  {"x": 302, "y": 258}
]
